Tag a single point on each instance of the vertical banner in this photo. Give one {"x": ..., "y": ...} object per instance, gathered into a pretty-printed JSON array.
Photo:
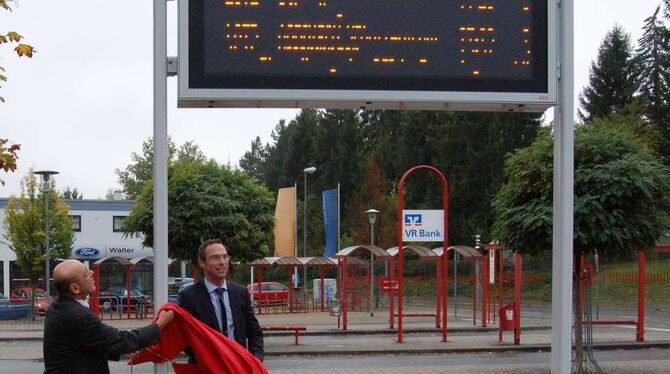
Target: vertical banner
[
  {"x": 285, "y": 223},
  {"x": 330, "y": 221}
]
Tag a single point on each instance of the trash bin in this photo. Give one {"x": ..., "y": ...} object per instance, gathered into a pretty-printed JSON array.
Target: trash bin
[
  {"x": 507, "y": 317},
  {"x": 335, "y": 308}
]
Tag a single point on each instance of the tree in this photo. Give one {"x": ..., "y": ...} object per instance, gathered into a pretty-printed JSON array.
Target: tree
[
  {"x": 71, "y": 194},
  {"x": 8, "y": 157},
  {"x": 140, "y": 171},
  {"x": 621, "y": 198},
  {"x": 253, "y": 161},
  {"x": 24, "y": 227},
  {"x": 653, "y": 58},
  {"x": 613, "y": 77},
  {"x": 206, "y": 201},
  {"x": 12, "y": 37}
]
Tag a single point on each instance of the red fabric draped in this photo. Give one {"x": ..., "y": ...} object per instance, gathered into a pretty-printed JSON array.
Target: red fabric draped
[{"x": 214, "y": 352}]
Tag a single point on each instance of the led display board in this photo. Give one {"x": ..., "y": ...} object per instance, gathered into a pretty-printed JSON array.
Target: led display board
[{"x": 400, "y": 54}]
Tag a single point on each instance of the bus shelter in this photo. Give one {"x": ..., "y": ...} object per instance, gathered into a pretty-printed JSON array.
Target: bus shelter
[
  {"x": 425, "y": 254},
  {"x": 472, "y": 255},
  {"x": 110, "y": 301},
  {"x": 345, "y": 256}
]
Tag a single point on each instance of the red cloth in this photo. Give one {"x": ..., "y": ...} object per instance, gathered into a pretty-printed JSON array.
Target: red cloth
[{"x": 214, "y": 352}]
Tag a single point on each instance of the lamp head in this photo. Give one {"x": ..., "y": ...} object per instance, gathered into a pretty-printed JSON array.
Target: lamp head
[
  {"x": 309, "y": 170},
  {"x": 372, "y": 215}
]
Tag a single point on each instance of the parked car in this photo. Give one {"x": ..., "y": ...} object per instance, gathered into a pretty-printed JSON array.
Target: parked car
[
  {"x": 271, "y": 293},
  {"x": 25, "y": 293},
  {"x": 116, "y": 294},
  {"x": 174, "y": 288}
]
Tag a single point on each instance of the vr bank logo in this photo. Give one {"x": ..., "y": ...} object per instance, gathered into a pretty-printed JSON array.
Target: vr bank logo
[
  {"x": 413, "y": 220},
  {"x": 423, "y": 226}
]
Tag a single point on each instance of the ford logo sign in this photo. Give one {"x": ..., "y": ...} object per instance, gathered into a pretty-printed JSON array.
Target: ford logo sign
[{"x": 86, "y": 252}]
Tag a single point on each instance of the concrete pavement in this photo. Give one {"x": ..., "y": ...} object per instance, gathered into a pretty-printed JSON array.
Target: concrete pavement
[{"x": 371, "y": 336}]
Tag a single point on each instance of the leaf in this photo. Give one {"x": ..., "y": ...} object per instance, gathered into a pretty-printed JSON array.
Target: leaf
[
  {"x": 14, "y": 36},
  {"x": 4, "y": 5},
  {"x": 24, "y": 50},
  {"x": 3, "y": 39}
]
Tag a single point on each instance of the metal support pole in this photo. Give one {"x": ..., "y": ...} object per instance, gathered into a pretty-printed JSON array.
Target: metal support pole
[
  {"x": 372, "y": 272},
  {"x": 641, "y": 287},
  {"x": 304, "y": 234},
  {"x": 47, "y": 269},
  {"x": 563, "y": 211},
  {"x": 160, "y": 179}
]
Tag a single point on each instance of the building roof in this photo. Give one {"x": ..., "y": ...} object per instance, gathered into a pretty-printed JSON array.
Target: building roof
[{"x": 90, "y": 204}]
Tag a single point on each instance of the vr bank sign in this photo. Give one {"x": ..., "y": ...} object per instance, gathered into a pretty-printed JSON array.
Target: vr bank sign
[{"x": 423, "y": 225}]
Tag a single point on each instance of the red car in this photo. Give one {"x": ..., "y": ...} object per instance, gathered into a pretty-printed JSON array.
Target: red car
[
  {"x": 24, "y": 293},
  {"x": 271, "y": 293}
]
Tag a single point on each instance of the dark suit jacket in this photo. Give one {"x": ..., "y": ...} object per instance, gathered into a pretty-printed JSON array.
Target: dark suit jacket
[
  {"x": 248, "y": 333},
  {"x": 76, "y": 341}
]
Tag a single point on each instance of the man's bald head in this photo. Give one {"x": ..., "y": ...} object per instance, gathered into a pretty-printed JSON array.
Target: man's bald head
[{"x": 70, "y": 279}]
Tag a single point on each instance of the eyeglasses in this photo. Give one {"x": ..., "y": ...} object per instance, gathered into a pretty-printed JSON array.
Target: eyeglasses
[{"x": 219, "y": 257}]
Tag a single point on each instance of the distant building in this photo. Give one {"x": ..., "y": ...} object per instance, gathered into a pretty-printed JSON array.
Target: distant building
[{"x": 97, "y": 234}]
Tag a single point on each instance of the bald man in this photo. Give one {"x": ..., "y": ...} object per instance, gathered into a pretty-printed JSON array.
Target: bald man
[{"x": 75, "y": 340}]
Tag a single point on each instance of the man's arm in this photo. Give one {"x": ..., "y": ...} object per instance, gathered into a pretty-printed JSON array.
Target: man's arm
[
  {"x": 186, "y": 303},
  {"x": 96, "y": 336},
  {"x": 254, "y": 331}
]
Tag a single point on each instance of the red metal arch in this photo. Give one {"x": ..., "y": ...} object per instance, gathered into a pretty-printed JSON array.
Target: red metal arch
[{"x": 445, "y": 258}]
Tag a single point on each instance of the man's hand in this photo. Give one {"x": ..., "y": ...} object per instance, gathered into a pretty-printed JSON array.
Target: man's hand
[{"x": 164, "y": 318}]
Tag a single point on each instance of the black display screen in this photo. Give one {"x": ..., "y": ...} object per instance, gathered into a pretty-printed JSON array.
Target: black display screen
[{"x": 418, "y": 45}]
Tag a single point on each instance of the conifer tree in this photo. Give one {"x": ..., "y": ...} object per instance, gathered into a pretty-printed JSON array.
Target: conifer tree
[{"x": 612, "y": 79}]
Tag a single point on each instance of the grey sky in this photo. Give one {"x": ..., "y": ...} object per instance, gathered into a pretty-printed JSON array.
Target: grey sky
[{"x": 84, "y": 102}]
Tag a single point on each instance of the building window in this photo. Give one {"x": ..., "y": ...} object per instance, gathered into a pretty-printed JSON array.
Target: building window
[
  {"x": 117, "y": 225},
  {"x": 76, "y": 223}
]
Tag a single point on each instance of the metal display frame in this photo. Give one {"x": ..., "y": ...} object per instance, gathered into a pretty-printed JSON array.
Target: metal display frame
[{"x": 369, "y": 99}]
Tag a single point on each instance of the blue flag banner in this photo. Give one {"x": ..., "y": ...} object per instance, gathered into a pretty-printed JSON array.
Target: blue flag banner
[{"x": 330, "y": 221}]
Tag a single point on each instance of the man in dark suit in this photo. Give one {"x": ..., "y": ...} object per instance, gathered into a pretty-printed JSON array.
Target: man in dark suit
[
  {"x": 223, "y": 305},
  {"x": 75, "y": 340}
]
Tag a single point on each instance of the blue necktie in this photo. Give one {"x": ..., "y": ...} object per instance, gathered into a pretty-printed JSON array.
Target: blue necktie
[{"x": 224, "y": 321}]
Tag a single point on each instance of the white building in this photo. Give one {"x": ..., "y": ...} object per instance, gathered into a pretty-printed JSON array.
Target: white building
[{"x": 97, "y": 229}]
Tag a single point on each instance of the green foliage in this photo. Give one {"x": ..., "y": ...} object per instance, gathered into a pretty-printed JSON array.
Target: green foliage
[
  {"x": 71, "y": 194},
  {"x": 621, "y": 193},
  {"x": 25, "y": 228},
  {"x": 206, "y": 201},
  {"x": 140, "y": 172},
  {"x": 368, "y": 151},
  {"x": 613, "y": 78}
]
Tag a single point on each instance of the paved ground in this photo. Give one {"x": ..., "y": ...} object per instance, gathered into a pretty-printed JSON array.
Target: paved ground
[{"x": 369, "y": 337}]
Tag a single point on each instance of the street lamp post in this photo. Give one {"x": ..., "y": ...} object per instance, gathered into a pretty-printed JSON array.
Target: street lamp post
[
  {"x": 305, "y": 171},
  {"x": 46, "y": 174},
  {"x": 372, "y": 218}
]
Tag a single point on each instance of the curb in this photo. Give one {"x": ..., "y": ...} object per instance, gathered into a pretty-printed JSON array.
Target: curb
[
  {"x": 457, "y": 330},
  {"x": 605, "y": 346}
]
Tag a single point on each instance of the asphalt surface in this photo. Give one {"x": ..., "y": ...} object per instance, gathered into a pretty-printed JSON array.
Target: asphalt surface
[{"x": 369, "y": 346}]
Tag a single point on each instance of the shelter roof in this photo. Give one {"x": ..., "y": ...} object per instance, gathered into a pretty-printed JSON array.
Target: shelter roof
[
  {"x": 463, "y": 250},
  {"x": 377, "y": 251},
  {"x": 317, "y": 261},
  {"x": 271, "y": 261},
  {"x": 423, "y": 252}
]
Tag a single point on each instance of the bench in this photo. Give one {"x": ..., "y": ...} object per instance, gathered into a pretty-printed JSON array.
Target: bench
[{"x": 295, "y": 329}]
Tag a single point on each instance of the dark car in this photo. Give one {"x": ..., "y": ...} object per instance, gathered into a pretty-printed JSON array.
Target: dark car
[
  {"x": 174, "y": 288},
  {"x": 271, "y": 293},
  {"x": 114, "y": 295}
]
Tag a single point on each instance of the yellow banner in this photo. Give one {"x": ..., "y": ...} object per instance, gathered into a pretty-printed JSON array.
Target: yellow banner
[{"x": 285, "y": 221}]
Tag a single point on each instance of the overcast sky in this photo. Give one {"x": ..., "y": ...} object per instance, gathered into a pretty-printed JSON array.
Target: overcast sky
[{"x": 84, "y": 102}]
